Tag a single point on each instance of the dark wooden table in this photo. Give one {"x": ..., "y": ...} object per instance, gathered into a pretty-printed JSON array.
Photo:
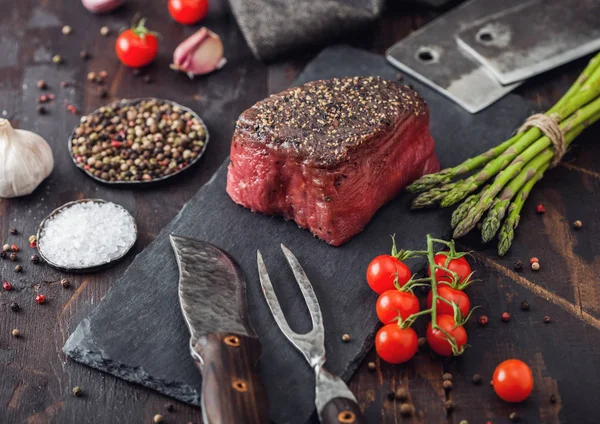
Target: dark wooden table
[{"x": 36, "y": 378}]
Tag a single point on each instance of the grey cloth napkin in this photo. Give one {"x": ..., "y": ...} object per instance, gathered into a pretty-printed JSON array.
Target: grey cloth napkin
[{"x": 272, "y": 27}]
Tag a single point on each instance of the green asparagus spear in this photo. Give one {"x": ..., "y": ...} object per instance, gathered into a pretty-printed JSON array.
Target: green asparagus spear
[
  {"x": 589, "y": 70},
  {"x": 444, "y": 176},
  {"x": 496, "y": 214},
  {"x": 431, "y": 197},
  {"x": 429, "y": 181},
  {"x": 542, "y": 145},
  {"x": 461, "y": 211},
  {"x": 507, "y": 232}
]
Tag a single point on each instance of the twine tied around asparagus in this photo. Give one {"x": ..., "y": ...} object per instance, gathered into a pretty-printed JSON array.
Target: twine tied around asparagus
[{"x": 549, "y": 125}]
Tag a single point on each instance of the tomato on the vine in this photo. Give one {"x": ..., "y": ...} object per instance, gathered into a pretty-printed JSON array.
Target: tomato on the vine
[
  {"x": 513, "y": 380},
  {"x": 137, "y": 46},
  {"x": 188, "y": 12},
  {"x": 460, "y": 266},
  {"x": 457, "y": 296},
  {"x": 396, "y": 345},
  {"x": 394, "y": 302},
  {"x": 437, "y": 340},
  {"x": 382, "y": 272}
]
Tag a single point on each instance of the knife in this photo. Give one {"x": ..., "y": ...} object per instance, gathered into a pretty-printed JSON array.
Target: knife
[{"x": 212, "y": 294}]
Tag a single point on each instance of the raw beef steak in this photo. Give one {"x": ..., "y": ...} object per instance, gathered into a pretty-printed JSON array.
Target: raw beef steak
[{"x": 329, "y": 153}]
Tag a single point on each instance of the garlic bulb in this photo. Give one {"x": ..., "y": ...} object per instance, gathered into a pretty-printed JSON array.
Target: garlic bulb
[
  {"x": 200, "y": 53},
  {"x": 25, "y": 160}
]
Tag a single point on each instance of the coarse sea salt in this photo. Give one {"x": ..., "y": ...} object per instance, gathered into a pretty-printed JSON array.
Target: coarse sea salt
[{"x": 87, "y": 234}]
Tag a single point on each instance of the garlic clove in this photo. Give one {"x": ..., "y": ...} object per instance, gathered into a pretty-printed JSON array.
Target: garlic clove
[
  {"x": 199, "y": 54},
  {"x": 25, "y": 161},
  {"x": 101, "y": 6}
]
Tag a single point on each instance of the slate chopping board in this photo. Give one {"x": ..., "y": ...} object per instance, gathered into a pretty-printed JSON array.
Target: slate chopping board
[{"x": 137, "y": 331}]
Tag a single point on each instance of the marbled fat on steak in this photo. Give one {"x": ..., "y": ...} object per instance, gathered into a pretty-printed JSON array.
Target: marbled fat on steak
[{"x": 330, "y": 153}]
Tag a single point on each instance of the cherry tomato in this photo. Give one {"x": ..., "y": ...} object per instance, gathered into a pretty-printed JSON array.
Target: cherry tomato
[
  {"x": 392, "y": 302},
  {"x": 437, "y": 340},
  {"x": 188, "y": 12},
  {"x": 137, "y": 46},
  {"x": 513, "y": 380},
  {"x": 460, "y": 266},
  {"x": 382, "y": 272},
  {"x": 396, "y": 345},
  {"x": 453, "y": 295}
]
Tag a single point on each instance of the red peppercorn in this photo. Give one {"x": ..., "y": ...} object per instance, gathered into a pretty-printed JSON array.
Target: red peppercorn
[
  {"x": 534, "y": 259},
  {"x": 483, "y": 320},
  {"x": 40, "y": 299},
  {"x": 505, "y": 316},
  {"x": 116, "y": 143},
  {"x": 540, "y": 208},
  {"x": 33, "y": 244},
  {"x": 7, "y": 286},
  {"x": 14, "y": 248}
]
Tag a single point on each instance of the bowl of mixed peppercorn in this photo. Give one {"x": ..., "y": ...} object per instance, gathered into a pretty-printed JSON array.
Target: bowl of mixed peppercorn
[{"x": 138, "y": 141}]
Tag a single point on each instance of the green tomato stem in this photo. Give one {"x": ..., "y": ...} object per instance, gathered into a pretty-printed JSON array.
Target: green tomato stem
[
  {"x": 432, "y": 311},
  {"x": 412, "y": 318},
  {"x": 434, "y": 292}
]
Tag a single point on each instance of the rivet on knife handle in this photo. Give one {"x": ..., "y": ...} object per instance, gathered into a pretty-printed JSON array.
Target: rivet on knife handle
[
  {"x": 342, "y": 411},
  {"x": 231, "y": 388}
]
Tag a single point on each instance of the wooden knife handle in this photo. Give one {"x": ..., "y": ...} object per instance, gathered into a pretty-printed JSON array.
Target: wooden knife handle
[
  {"x": 342, "y": 411},
  {"x": 231, "y": 389}
]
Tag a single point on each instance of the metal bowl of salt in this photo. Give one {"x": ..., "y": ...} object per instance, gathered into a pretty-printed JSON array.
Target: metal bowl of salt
[{"x": 86, "y": 235}]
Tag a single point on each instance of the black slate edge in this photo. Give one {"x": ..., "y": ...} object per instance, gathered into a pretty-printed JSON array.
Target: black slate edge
[
  {"x": 353, "y": 365},
  {"x": 81, "y": 347}
]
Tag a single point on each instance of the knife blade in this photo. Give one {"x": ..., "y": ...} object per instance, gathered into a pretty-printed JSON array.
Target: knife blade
[{"x": 212, "y": 294}]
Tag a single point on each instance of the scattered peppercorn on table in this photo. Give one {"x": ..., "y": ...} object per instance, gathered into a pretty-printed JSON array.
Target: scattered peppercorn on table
[{"x": 545, "y": 312}]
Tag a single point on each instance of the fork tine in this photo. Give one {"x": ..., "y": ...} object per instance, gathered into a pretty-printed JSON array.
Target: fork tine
[
  {"x": 307, "y": 290},
  {"x": 271, "y": 297}
]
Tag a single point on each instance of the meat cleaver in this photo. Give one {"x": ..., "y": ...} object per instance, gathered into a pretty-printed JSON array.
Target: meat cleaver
[
  {"x": 533, "y": 37},
  {"x": 483, "y": 49},
  {"x": 432, "y": 55},
  {"x": 212, "y": 294}
]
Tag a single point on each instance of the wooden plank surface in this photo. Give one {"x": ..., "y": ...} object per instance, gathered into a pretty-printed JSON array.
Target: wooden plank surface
[{"x": 36, "y": 378}]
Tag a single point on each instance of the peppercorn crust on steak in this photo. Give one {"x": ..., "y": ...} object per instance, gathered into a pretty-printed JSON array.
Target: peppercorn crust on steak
[{"x": 328, "y": 154}]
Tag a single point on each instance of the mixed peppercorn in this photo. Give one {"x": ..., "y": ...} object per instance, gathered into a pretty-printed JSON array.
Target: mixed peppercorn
[
  {"x": 13, "y": 256},
  {"x": 139, "y": 141}
]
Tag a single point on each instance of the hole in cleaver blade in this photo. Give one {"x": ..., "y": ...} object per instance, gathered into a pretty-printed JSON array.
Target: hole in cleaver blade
[
  {"x": 454, "y": 73},
  {"x": 534, "y": 37}
]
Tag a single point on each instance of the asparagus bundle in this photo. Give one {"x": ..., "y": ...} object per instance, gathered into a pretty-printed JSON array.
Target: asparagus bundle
[{"x": 509, "y": 171}]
